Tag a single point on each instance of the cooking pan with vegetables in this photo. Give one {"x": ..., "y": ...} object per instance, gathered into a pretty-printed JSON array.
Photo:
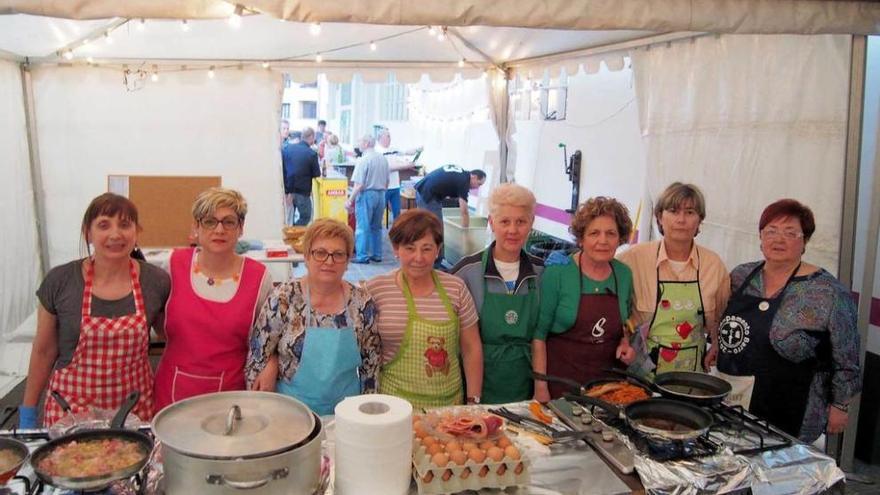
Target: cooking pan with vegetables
[
  {"x": 618, "y": 391},
  {"x": 691, "y": 386},
  {"x": 662, "y": 419},
  {"x": 93, "y": 459}
]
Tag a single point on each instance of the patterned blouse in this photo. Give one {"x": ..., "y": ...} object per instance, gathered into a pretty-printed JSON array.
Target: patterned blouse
[
  {"x": 817, "y": 301},
  {"x": 281, "y": 328}
]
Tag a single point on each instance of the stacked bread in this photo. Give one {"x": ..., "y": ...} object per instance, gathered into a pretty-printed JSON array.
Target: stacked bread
[{"x": 293, "y": 237}]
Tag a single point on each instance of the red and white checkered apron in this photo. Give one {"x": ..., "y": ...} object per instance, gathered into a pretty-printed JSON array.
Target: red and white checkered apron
[{"x": 110, "y": 360}]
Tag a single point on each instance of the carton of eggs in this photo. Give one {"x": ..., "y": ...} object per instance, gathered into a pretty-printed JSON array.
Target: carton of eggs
[{"x": 444, "y": 465}]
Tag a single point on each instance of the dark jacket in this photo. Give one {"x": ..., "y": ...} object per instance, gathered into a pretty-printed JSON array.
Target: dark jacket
[{"x": 300, "y": 165}]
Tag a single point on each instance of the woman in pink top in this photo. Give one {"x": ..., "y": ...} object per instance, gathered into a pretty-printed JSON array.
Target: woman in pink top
[{"x": 215, "y": 295}]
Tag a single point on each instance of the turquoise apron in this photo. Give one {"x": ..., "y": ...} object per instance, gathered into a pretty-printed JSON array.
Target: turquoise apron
[{"x": 328, "y": 366}]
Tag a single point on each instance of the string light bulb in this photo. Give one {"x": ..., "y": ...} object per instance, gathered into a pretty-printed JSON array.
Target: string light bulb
[
  {"x": 441, "y": 36},
  {"x": 90, "y": 60},
  {"x": 108, "y": 38},
  {"x": 68, "y": 55},
  {"x": 155, "y": 75},
  {"x": 431, "y": 31},
  {"x": 319, "y": 58},
  {"x": 141, "y": 26},
  {"x": 211, "y": 72},
  {"x": 265, "y": 65},
  {"x": 86, "y": 42},
  {"x": 315, "y": 28},
  {"x": 373, "y": 46},
  {"x": 184, "y": 25},
  {"x": 235, "y": 18},
  {"x": 461, "y": 62}
]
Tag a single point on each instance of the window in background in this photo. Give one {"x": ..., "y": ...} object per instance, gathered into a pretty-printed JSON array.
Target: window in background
[
  {"x": 554, "y": 96},
  {"x": 345, "y": 94},
  {"x": 308, "y": 109},
  {"x": 285, "y": 110},
  {"x": 309, "y": 85},
  {"x": 345, "y": 125},
  {"x": 287, "y": 81},
  {"x": 392, "y": 100}
]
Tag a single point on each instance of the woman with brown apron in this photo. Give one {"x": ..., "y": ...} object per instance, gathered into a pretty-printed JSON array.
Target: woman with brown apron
[{"x": 585, "y": 304}]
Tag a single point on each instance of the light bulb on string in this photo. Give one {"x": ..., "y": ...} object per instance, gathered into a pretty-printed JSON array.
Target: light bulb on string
[
  {"x": 68, "y": 55},
  {"x": 373, "y": 46},
  {"x": 90, "y": 60},
  {"x": 265, "y": 65},
  {"x": 211, "y": 72},
  {"x": 319, "y": 58},
  {"x": 142, "y": 25},
  {"x": 235, "y": 19},
  {"x": 108, "y": 38},
  {"x": 315, "y": 28},
  {"x": 441, "y": 36},
  {"x": 431, "y": 31},
  {"x": 86, "y": 42},
  {"x": 155, "y": 76},
  {"x": 184, "y": 25},
  {"x": 461, "y": 62}
]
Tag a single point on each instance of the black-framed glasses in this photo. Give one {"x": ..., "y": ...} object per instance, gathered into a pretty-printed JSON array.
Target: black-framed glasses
[
  {"x": 228, "y": 223},
  {"x": 321, "y": 255}
]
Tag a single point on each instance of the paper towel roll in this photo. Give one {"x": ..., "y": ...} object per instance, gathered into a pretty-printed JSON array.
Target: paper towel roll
[{"x": 373, "y": 446}]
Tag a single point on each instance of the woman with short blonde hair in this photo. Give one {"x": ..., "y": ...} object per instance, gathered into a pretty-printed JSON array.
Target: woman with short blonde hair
[{"x": 214, "y": 300}]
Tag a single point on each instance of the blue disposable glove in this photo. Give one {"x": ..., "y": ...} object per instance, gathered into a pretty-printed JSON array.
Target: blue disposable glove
[
  {"x": 557, "y": 258},
  {"x": 27, "y": 417}
]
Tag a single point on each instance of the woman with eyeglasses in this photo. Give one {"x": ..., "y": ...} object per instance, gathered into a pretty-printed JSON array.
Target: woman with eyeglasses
[
  {"x": 788, "y": 339},
  {"x": 215, "y": 296},
  {"x": 316, "y": 338}
]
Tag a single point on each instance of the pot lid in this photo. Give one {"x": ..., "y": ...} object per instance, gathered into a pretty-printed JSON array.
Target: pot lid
[{"x": 231, "y": 425}]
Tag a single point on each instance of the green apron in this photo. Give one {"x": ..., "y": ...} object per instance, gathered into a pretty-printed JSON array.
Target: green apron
[
  {"x": 426, "y": 369},
  {"x": 507, "y": 322},
  {"x": 676, "y": 337}
]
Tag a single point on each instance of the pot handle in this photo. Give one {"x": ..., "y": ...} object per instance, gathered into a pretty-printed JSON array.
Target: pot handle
[
  {"x": 221, "y": 479},
  {"x": 232, "y": 416}
]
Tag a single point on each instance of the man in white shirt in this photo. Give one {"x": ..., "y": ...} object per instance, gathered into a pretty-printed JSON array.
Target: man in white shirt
[{"x": 396, "y": 163}]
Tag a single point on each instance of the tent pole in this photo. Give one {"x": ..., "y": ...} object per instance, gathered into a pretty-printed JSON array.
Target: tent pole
[
  {"x": 842, "y": 447},
  {"x": 504, "y": 135},
  {"x": 27, "y": 90}
]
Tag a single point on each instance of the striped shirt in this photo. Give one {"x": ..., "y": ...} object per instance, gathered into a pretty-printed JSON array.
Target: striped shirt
[{"x": 393, "y": 316}]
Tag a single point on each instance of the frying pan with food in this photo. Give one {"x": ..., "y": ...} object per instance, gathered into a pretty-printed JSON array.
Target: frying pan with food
[
  {"x": 112, "y": 437},
  {"x": 602, "y": 386},
  {"x": 663, "y": 419},
  {"x": 691, "y": 386},
  {"x": 13, "y": 452}
]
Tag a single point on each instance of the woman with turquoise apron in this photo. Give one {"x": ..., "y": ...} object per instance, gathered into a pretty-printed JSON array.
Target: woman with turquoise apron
[
  {"x": 316, "y": 338},
  {"x": 427, "y": 321}
]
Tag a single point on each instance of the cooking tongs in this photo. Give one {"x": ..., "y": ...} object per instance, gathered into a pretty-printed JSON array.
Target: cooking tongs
[{"x": 537, "y": 426}]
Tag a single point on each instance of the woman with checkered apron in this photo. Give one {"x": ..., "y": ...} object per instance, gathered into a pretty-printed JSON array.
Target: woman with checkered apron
[{"x": 94, "y": 319}]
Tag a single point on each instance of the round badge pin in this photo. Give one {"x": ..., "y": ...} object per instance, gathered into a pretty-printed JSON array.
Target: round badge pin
[
  {"x": 764, "y": 306},
  {"x": 511, "y": 317}
]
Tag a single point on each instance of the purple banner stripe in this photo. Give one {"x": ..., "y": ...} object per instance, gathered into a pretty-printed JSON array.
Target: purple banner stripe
[{"x": 552, "y": 214}]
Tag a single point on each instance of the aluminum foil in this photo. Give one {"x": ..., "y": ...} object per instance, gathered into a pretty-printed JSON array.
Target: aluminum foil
[{"x": 797, "y": 469}]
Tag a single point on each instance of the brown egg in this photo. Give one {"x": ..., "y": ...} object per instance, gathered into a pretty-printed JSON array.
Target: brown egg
[
  {"x": 465, "y": 473},
  {"x": 447, "y": 474},
  {"x": 435, "y": 449},
  {"x": 512, "y": 452},
  {"x": 428, "y": 440},
  {"x": 487, "y": 444},
  {"x": 483, "y": 472},
  {"x": 469, "y": 446},
  {"x": 428, "y": 477},
  {"x": 440, "y": 459},
  {"x": 503, "y": 442},
  {"x": 501, "y": 469},
  {"x": 452, "y": 446},
  {"x": 519, "y": 468},
  {"x": 477, "y": 455},
  {"x": 458, "y": 457},
  {"x": 495, "y": 454}
]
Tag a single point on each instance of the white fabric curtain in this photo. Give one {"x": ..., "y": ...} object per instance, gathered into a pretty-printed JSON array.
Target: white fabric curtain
[
  {"x": 20, "y": 263},
  {"x": 749, "y": 119},
  {"x": 90, "y": 126}
]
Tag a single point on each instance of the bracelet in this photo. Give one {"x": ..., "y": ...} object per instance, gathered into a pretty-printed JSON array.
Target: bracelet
[{"x": 841, "y": 407}]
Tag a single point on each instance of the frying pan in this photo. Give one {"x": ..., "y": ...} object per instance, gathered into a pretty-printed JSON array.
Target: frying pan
[
  {"x": 582, "y": 389},
  {"x": 17, "y": 447},
  {"x": 664, "y": 419},
  {"x": 98, "y": 482},
  {"x": 692, "y": 386}
]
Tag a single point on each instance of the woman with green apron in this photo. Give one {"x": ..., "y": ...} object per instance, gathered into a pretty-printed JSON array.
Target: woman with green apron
[
  {"x": 680, "y": 288},
  {"x": 503, "y": 280},
  {"x": 427, "y": 321},
  {"x": 584, "y": 304}
]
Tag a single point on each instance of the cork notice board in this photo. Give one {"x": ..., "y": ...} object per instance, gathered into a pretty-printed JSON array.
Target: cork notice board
[{"x": 164, "y": 205}]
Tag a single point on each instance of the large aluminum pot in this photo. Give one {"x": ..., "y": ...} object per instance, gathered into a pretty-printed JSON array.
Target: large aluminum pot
[{"x": 229, "y": 442}]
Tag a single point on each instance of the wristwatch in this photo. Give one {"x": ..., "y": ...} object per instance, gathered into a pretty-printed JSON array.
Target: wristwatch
[
  {"x": 473, "y": 400},
  {"x": 842, "y": 407}
]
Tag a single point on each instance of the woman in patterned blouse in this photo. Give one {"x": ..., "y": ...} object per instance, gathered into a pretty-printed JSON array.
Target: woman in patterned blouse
[
  {"x": 332, "y": 318},
  {"x": 788, "y": 340}
]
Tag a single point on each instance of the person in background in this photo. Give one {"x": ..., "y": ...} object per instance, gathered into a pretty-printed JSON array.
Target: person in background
[
  {"x": 370, "y": 179},
  {"x": 93, "y": 321},
  {"x": 788, "y": 340},
  {"x": 301, "y": 166},
  {"x": 333, "y": 153},
  {"x": 318, "y": 333},
  {"x": 448, "y": 181},
  {"x": 214, "y": 301},
  {"x": 427, "y": 321},
  {"x": 585, "y": 303},
  {"x": 321, "y": 132},
  {"x": 396, "y": 163},
  {"x": 284, "y": 132},
  {"x": 681, "y": 288},
  {"x": 503, "y": 280}
]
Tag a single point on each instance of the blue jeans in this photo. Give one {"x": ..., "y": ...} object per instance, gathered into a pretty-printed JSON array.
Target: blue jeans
[
  {"x": 392, "y": 197},
  {"x": 433, "y": 206},
  {"x": 302, "y": 204},
  {"x": 368, "y": 209}
]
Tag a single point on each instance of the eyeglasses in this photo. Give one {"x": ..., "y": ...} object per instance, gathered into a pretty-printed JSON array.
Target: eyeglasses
[
  {"x": 772, "y": 233},
  {"x": 211, "y": 223},
  {"x": 321, "y": 255}
]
